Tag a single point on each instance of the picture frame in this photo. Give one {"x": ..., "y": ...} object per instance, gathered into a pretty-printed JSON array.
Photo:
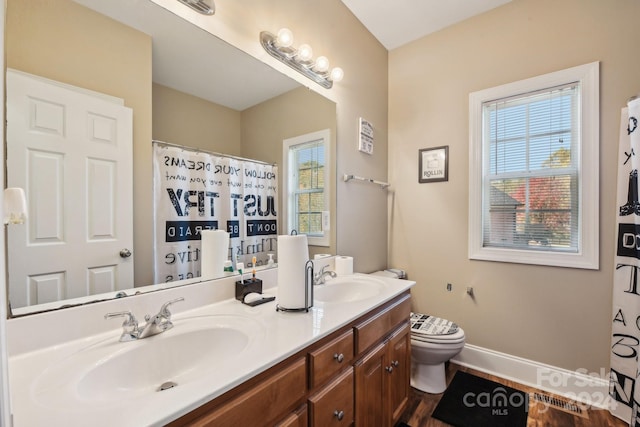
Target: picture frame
[{"x": 433, "y": 164}]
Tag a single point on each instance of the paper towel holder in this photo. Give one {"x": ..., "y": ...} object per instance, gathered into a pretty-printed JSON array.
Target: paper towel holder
[{"x": 308, "y": 290}]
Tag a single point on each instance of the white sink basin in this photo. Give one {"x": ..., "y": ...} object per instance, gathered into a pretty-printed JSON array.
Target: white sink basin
[
  {"x": 348, "y": 289},
  {"x": 112, "y": 371}
]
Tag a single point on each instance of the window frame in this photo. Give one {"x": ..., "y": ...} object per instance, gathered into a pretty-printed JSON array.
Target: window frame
[
  {"x": 288, "y": 184},
  {"x": 587, "y": 255}
]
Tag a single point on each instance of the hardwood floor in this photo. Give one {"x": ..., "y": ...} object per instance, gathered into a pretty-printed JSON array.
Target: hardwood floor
[{"x": 421, "y": 405}]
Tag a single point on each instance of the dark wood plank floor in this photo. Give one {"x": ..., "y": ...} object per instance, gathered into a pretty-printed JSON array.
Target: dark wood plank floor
[{"x": 421, "y": 405}]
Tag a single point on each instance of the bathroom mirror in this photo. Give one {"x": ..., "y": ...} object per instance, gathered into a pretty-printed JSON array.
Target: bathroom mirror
[{"x": 184, "y": 85}]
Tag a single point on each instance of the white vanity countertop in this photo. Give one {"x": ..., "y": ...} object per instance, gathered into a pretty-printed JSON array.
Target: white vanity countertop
[{"x": 277, "y": 336}]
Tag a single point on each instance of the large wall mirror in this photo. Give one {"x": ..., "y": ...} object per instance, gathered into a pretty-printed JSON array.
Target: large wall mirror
[{"x": 183, "y": 85}]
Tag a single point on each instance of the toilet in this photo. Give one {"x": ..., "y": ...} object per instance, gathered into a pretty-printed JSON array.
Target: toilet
[{"x": 433, "y": 342}]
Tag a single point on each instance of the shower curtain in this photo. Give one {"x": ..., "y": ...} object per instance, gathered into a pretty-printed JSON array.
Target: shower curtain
[
  {"x": 195, "y": 190},
  {"x": 623, "y": 387}
]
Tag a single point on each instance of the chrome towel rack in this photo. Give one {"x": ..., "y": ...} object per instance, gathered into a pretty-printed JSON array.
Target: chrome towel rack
[{"x": 348, "y": 177}]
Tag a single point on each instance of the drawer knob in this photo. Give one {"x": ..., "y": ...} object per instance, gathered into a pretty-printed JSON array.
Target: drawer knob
[
  {"x": 338, "y": 414},
  {"x": 395, "y": 363},
  {"x": 389, "y": 369},
  {"x": 338, "y": 357}
]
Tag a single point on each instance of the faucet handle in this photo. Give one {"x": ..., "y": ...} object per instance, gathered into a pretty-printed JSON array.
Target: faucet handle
[
  {"x": 164, "y": 310},
  {"x": 129, "y": 326},
  {"x": 130, "y": 319}
]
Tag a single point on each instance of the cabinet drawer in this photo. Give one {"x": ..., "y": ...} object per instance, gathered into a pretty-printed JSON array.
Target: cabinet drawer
[
  {"x": 330, "y": 358},
  {"x": 334, "y": 404},
  {"x": 263, "y": 404},
  {"x": 371, "y": 330}
]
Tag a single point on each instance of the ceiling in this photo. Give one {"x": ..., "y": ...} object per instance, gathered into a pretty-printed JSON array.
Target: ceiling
[{"x": 395, "y": 23}]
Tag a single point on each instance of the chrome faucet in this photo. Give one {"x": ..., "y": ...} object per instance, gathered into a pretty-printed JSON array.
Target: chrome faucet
[
  {"x": 155, "y": 325},
  {"x": 320, "y": 278}
]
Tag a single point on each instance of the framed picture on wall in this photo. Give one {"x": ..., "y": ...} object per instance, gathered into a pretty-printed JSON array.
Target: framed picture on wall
[{"x": 433, "y": 164}]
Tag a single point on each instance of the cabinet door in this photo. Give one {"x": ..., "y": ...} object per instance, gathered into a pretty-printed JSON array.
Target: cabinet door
[
  {"x": 398, "y": 371},
  {"x": 370, "y": 388}
]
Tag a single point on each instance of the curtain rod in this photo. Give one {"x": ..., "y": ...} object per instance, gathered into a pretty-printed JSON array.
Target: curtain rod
[{"x": 199, "y": 150}]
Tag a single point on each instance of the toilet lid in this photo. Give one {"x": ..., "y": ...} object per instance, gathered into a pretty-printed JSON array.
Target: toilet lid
[{"x": 423, "y": 324}]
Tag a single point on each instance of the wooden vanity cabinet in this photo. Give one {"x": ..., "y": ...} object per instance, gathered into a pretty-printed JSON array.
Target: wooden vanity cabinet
[
  {"x": 382, "y": 380},
  {"x": 358, "y": 375}
]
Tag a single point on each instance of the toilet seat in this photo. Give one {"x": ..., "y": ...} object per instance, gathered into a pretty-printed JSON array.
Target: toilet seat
[{"x": 456, "y": 338}]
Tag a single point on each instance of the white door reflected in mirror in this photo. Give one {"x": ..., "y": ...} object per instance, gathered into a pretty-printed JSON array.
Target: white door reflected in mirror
[{"x": 71, "y": 151}]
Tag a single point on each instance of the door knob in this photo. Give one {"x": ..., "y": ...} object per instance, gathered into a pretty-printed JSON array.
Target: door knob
[{"x": 125, "y": 253}]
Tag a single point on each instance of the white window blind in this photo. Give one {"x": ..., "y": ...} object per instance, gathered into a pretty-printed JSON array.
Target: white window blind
[{"x": 531, "y": 146}]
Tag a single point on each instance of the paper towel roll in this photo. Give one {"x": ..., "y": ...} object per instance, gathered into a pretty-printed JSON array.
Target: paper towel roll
[
  {"x": 293, "y": 254},
  {"x": 214, "y": 251},
  {"x": 344, "y": 265}
]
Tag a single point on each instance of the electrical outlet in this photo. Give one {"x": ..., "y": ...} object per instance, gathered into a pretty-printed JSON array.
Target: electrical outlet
[{"x": 449, "y": 287}]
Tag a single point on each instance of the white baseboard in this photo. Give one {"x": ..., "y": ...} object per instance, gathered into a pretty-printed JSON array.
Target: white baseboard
[{"x": 591, "y": 389}]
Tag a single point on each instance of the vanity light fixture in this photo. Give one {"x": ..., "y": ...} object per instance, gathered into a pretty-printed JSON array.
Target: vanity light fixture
[
  {"x": 15, "y": 206},
  {"x": 280, "y": 46},
  {"x": 205, "y": 7}
]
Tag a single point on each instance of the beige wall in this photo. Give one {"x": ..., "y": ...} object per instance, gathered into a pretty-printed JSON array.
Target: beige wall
[
  {"x": 557, "y": 316},
  {"x": 184, "y": 119},
  {"x": 63, "y": 41},
  {"x": 294, "y": 113}
]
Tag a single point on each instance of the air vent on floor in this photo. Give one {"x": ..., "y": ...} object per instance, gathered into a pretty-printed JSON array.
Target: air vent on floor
[{"x": 565, "y": 405}]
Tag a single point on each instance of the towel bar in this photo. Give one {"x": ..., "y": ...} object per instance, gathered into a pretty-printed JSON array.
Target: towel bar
[{"x": 348, "y": 178}]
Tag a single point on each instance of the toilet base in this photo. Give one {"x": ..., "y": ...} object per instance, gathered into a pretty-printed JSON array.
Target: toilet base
[{"x": 428, "y": 378}]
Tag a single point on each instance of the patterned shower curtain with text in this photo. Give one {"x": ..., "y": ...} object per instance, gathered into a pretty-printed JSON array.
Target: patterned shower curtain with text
[
  {"x": 196, "y": 191},
  {"x": 624, "y": 388}
]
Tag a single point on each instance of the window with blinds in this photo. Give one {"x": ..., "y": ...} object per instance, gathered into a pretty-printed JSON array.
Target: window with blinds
[
  {"x": 530, "y": 191},
  {"x": 534, "y": 170}
]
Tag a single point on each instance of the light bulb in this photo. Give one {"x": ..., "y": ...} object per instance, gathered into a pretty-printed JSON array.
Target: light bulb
[
  {"x": 284, "y": 37},
  {"x": 322, "y": 64},
  {"x": 305, "y": 53},
  {"x": 336, "y": 74}
]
